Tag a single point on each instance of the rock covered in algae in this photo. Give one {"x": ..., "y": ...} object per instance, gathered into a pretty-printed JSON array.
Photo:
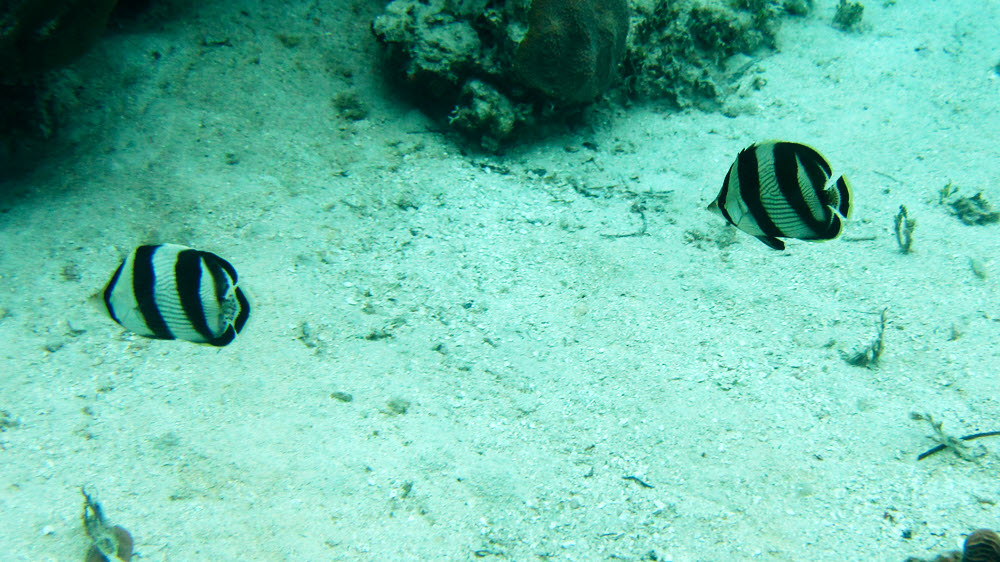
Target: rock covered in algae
[
  {"x": 430, "y": 40},
  {"x": 493, "y": 65},
  {"x": 446, "y": 53},
  {"x": 482, "y": 110},
  {"x": 678, "y": 49},
  {"x": 497, "y": 69}
]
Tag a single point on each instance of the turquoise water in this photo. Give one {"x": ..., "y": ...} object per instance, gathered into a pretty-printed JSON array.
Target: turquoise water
[{"x": 550, "y": 351}]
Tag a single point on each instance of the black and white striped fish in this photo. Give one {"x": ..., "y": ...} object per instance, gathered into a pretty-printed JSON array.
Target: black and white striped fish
[
  {"x": 781, "y": 189},
  {"x": 174, "y": 292}
]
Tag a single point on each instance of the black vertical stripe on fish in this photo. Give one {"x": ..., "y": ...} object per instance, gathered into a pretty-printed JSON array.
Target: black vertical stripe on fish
[
  {"x": 817, "y": 172},
  {"x": 187, "y": 273},
  {"x": 817, "y": 168},
  {"x": 216, "y": 261},
  {"x": 786, "y": 167},
  {"x": 144, "y": 290},
  {"x": 748, "y": 175},
  {"x": 801, "y": 200},
  {"x": 772, "y": 197},
  {"x": 221, "y": 279}
]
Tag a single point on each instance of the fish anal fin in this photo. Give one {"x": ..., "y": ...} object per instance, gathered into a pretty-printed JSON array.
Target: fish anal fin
[
  {"x": 225, "y": 339},
  {"x": 772, "y": 242},
  {"x": 836, "y": 225}
]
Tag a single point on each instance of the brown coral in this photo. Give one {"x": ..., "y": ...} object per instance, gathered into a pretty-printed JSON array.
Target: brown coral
[
  {"x": 983, "y": 545},
  {"x": 572, "y": 48}
]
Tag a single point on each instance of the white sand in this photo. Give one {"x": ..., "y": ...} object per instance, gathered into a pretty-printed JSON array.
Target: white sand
[{"x": 543, "y": 362}]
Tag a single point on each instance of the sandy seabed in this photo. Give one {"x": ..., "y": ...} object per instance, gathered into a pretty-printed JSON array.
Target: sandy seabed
[{"x": 524, "y": 383}]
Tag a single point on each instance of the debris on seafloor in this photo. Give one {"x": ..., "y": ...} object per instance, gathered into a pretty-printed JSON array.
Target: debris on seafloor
[
  {"x": 955, "y": 444},
  {"x": 974, "y": 210},
  {"x": 904, "y": 226},
  {"x": 106, "y": 540},
  {"x": 870, "y": 355}
]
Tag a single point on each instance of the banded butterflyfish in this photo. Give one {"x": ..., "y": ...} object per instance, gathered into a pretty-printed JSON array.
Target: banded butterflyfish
[
  {"x": 170, "y": 292},
  {"x": 779, "y": 189}
]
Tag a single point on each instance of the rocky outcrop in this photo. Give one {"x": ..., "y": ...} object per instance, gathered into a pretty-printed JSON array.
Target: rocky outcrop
[
  {"x": 38, "y": 35},
  {"x": 495, "y": 68}
]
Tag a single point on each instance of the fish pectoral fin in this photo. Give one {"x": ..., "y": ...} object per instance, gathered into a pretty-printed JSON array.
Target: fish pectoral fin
[{"x": 772, "y": 242}]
